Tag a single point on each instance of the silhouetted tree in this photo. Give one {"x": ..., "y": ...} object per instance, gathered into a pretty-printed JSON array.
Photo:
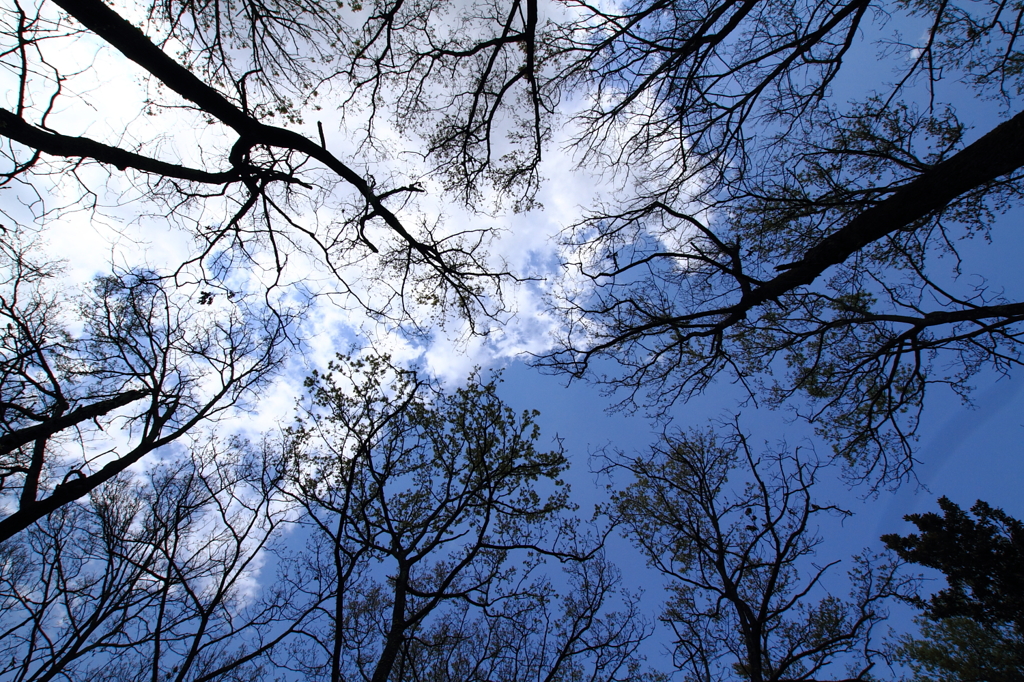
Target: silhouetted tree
[
  {"x": 805, "y": 244},
  {"x": 973, "y": 629},
  {"x": 150, "y": 578},
  {"x": 431, "y": 516},
  {"x": 958, "y": 649},
  {"x": 734, "y": 535},
  {"x": 981, "y": 558},
  {"x": 258, "y": 197},
  {"x": 757, "y": 226},
  {"x": 91, "y": 382}
]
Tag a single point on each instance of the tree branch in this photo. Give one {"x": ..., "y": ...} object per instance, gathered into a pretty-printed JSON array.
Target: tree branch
[{"x": 16, "y": 128}]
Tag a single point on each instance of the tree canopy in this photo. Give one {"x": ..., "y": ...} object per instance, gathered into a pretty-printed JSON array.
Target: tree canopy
[
  {"x": 981, "y": 558},
  {"x": 768, "y": 212},
  {"x": 93, "y": 381},
  {"x": 803, "y": 243},
  {"x": 973, "y": 628},
  {"x": 433, "y": 522},
  {"x": 736, "y": 535},
  {"x": 396, "y": 532},
  {"x": 768, "y": 217}
]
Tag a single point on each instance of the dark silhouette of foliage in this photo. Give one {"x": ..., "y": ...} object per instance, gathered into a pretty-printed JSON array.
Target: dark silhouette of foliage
[
  {"x": 973, "y": 629},
  {"x": 958, "y": 649},
  {"x": 982, "y": 559}
]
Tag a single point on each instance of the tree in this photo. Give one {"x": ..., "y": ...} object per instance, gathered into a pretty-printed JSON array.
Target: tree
[
  {"x": 982, "y": 560},
  {"x": 264, "y": 207},
  {"x": 772, "y": 233},
  {"x": 958, "y": 649},
  {"x": 149, "y": 578},
  {"x": 430, "y": 516},
  {"x": 236, "y": 67},
  {"x": 91, "y": 382},
  {"x": 763, "y": 229},
  {"x": 428, "y": 519},
  {"x": 738, "y": 556},
  {"x": 974, "y": 628}
]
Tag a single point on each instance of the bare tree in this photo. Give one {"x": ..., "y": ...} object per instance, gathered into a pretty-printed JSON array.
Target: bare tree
[
  {"x": 430, "y": 516},
  {"x": 734, "y": 534},
  {"x": 241, "y": 66},
  {"x": 152, "y": 578},
  {"x": 92, "y": 382}
]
